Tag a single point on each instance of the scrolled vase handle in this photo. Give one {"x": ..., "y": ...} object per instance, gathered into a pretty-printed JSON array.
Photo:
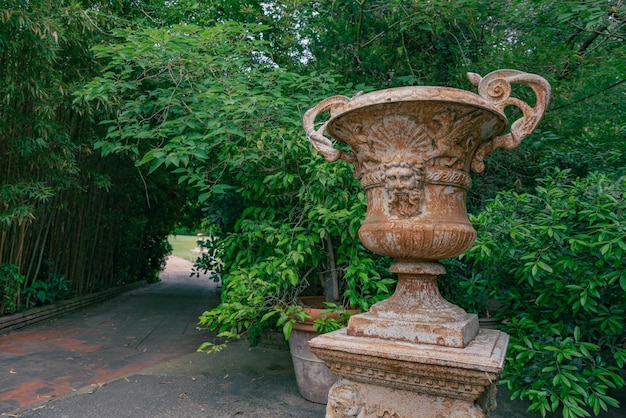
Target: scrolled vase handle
[
  {"x": 322, "y": 144},
  {"x": 496, "y": 88}
]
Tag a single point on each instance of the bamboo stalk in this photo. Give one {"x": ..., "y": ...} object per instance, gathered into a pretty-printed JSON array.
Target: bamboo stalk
[{"x": 42, "y": 246}]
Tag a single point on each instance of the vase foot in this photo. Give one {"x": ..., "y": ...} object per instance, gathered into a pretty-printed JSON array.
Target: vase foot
[
  {"x": 449, "y": 334},
  {"x": 416, "y": 312}
]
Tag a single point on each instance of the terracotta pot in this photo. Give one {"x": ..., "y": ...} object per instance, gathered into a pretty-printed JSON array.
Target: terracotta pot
[
  {"x": 314, "y": 306},
  {"x": 313, "y": 377},
  {"x": 488, "y": 323}
]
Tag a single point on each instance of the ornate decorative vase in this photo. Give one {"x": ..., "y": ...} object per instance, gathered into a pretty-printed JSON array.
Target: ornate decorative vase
[{"x": 412, "y": 149}]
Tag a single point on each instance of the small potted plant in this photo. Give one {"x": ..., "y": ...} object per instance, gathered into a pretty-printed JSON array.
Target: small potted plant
[{"x": 301, "y": 323}]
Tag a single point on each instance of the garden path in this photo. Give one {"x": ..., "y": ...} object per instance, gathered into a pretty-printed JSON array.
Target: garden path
[{"x": 140, "y": 328}]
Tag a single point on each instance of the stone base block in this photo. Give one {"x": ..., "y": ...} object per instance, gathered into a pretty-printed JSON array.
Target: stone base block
[
  {"x": 386, "y": 379},
  {"x": 451, "y": 334},
  {"x": 349, "y": 398}
]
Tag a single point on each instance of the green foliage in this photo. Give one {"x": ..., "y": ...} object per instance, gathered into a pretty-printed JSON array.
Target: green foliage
[
  {"x": 155, "y": 249},
  {"x": 10, "y": 282},
  {"x": 19, "y": 201},
  {"x": 210, "y": 261},
  {"x": 304, "y": 229},
  {"x": 56, "y": 288},
  {"x": 391, "y": 43},
  {"x": 186, "y": 97},
  {"x": 230, "y": 126},
  {"x": 553, "y": 260},
  {"x": 331, "y": 319}
]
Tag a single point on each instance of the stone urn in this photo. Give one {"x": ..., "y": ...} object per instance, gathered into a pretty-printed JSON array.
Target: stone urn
[{"x": 413, "y": 149}]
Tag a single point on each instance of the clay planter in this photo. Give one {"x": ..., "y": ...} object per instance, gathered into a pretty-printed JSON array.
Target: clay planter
[
  {"x": 313, "y": 377},
  {"x": 489, "y": 323},
  {"x": 412, "y": 149}
]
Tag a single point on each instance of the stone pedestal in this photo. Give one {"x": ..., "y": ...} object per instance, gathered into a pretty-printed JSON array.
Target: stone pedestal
[{"x": 380, "y": 378}]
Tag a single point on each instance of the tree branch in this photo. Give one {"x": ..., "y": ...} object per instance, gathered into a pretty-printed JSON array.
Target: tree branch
[
  {"x": 582, "y": 49},
  {"x": 590, "y": 95},
  {"x": 359, "y": 30}
]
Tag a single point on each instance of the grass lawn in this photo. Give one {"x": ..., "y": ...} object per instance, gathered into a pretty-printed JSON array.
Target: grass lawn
[{"x": 182, "y": 245}]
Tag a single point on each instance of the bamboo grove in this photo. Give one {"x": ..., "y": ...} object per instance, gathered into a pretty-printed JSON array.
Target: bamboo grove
[{"x": 71, "y": 222}]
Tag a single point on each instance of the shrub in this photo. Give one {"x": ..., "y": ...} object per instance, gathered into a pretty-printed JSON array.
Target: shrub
[
  {"x": 555, "y": 261},
  {"x": 56, "y": 288}
]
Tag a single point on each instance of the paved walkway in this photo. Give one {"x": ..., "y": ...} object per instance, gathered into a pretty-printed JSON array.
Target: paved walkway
[{"x": 134, "y": 356}]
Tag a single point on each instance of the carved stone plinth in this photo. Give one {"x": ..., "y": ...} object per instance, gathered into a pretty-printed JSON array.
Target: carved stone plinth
[{"x": 395, "y": 379}]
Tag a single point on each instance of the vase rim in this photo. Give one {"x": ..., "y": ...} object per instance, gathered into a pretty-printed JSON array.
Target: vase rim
[{"x": 423, "y": 94}]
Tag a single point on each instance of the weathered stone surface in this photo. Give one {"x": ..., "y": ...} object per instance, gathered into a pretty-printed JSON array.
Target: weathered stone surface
[
  {"x": 346, "y": 399},
  {"x": 413, "y": 148},
  {"x": 415, "y": 354},
  {"x": 400, "y": 378},
  {"x": 416, "y": 313}
]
